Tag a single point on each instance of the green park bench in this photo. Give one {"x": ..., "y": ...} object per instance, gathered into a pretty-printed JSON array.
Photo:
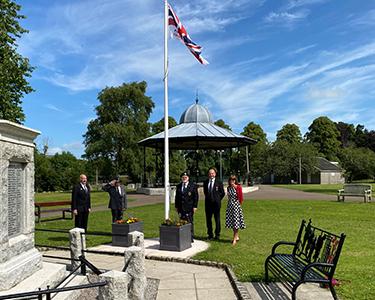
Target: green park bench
[
  {"x": 313, "y": 259},
  {"x": 355, "y": 190}
]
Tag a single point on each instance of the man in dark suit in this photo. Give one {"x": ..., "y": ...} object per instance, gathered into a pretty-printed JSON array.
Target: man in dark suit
[
  {"x": 214, "y": 193},
  {"x": 117, "y": 198},
  {"x": 81, "y": 202},
  {"x": 186, "y": 200}
]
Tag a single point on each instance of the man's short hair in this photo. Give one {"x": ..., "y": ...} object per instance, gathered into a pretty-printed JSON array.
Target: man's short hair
[{"x": 213, "y": 168}]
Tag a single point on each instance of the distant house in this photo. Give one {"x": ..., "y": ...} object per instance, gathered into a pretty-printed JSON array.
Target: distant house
[{"x": 326, "y": 172}]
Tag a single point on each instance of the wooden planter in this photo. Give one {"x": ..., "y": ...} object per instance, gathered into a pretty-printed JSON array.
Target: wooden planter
[
  {"x": 124, "y": 230},
  {"x": 175, "y": 238}
]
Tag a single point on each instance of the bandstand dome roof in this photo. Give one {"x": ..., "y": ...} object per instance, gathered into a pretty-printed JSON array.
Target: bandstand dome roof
[
  {"x": 197, "y": 131},
  {"x": 196, "y": 113}
]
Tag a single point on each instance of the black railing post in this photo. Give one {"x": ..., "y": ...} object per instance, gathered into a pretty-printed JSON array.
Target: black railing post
[
  {"x": 48, "y": 294},
  {"x": 83, "y": 266},
  {"x": 40, "y": 297}
]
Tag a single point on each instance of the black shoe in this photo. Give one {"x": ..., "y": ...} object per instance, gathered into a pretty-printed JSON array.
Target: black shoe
[
  {"x": 217, "y": 238},
  {"x": 210, "y": 237}
]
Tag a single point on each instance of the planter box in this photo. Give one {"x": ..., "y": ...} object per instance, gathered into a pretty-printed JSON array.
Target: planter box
[
  {"x": 124, "y": 229},
  {"x": 175, "y": 238}
]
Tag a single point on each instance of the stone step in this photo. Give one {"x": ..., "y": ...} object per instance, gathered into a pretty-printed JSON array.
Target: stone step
[{"x": 50, "y": 275}]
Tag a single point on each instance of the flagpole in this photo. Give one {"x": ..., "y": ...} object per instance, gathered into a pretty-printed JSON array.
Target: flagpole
[{"x": 166, "y": 141}]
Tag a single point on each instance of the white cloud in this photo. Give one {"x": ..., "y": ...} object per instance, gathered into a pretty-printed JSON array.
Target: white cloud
[
  {"x": 53, "y": 107},
  {"x": 286, "y": 18},
  {"x": 299, "y": 3}
]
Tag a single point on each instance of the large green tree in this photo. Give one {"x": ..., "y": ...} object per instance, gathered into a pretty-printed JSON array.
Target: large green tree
[
  {"x": 284, "y": 157},
  {"x": 347, "y": 134},
  {"x": 358, "y": 163},
  {"x": 14, "y": 68},
  {"x": 122, "y": 121},
  {"x": 289, "y": 133},
  {"x": 257, "y": 152},
  {"x": 324, "y": 135}
]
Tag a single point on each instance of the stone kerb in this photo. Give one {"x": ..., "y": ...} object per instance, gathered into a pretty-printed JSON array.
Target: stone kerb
[{"x": 18, "y": 257}]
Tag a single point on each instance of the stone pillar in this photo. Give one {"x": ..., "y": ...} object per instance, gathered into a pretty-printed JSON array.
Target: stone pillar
[
  {"x": 77, "y": 243},
  {"x": 136, "y": 238},
  {"x": 19, "y": 258},
  {"x": 116, "y": 288},
  {"x": 135, "y": 268}
]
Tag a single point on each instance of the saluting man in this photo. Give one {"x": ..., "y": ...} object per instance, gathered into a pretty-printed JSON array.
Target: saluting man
[{"x": 186, "y": 200}]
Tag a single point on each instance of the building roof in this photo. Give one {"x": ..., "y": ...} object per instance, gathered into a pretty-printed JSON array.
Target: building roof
[
  {"x": 325, "y": 165},
  {"x": 196, "y": 113},
  {"x": 197, "y": 131}
]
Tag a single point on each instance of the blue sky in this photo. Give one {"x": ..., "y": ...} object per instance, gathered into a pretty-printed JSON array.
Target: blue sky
[{"x": 271, "y": 61}]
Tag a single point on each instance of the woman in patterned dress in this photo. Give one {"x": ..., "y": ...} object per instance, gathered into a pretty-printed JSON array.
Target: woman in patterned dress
[{"x": 234, "y": 216}]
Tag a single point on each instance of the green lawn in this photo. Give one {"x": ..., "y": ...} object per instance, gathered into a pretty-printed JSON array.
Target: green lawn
[
  {"x": 97, "y": 198},
  {"x": 267, "y": 222}
]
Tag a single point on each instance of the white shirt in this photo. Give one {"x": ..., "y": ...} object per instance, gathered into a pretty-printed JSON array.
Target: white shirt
[
  {"x": 184, "y": 186},
  {"x": 211, "y": 183}
]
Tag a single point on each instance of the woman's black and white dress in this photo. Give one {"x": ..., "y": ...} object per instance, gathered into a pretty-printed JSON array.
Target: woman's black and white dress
[{"x": 234, "y": 215}]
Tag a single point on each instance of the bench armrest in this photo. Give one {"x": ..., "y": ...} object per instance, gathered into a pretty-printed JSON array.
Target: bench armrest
[
  {"x": 314, "y": 265},
  {"x": 281, "y": 243},
  {"x": 340, "y": 191}
]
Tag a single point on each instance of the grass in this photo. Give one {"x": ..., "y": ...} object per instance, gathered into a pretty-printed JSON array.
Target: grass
[
  {"x": 267, "y": 222},
  {"x": 97, "y": 198}
]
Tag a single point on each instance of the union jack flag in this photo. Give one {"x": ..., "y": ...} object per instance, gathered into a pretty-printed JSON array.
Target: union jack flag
[{"x": 180, "y": 32}]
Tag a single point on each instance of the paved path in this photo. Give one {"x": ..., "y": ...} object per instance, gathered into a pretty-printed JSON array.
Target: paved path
[
  {"x": 176, "y": 280},
  {"x": 270, "y": 192}
]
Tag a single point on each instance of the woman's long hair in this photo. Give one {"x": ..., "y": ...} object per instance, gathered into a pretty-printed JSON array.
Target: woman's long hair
[{"x": 233, "y": 177}]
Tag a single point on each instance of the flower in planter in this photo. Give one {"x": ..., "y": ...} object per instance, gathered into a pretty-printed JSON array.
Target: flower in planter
[
  {"x": 177, "y": 223},
  {"x": 129, "y": 220}
]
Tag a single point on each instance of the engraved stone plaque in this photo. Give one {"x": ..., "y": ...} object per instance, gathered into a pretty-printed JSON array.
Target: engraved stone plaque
[{"x": 15, "y": 195}]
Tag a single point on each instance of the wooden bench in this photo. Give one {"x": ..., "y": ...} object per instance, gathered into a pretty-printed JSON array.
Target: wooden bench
[
  {"x": 64, "y": 210},
  {"x": 355, "y": 190},
  {"x": 313, "y": 259}
]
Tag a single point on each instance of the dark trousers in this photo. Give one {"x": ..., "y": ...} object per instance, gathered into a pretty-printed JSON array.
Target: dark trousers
[
  {"x": 81, "y": 220},
  {"x": 188, "y": 216},
  {"x": 213, "y": 209},
  {"x": 116, "y": 215}
]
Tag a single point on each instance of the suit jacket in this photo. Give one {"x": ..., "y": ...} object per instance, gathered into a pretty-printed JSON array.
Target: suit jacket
[
  {"x": 186, "y": 200},
  {"x": 217, "y": 193},
  {"x": 81, "y": 200},
  {"x": 116, "y": 200}
]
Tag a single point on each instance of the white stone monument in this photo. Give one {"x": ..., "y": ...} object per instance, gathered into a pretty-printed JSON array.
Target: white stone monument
[{"x": 19, "y": 258}]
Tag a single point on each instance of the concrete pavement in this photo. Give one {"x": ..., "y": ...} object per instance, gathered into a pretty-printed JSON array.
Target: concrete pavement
[{"x": 190, "y": 279}]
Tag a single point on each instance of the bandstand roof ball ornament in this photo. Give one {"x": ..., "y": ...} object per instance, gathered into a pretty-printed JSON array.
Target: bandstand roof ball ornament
[{"x": 197, "y": 131}]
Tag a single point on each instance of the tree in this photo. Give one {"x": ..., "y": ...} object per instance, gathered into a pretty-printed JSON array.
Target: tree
[
  {"x": 14, "y": 68},
  {"x": 158, "y": 126},
  {"x": 221, "y": 123},
  {"x": 122, "y": 121},
  {"x": 257, "y": 152},
  {"x": 346, "y": 132},
  {"x": 324, "y": 135},
  {"x": 283, "y": 159},
  {"x": 358, "y": 163},
  {"x": 255, "y": 131},
  {"x": 289, "y": 133}
]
